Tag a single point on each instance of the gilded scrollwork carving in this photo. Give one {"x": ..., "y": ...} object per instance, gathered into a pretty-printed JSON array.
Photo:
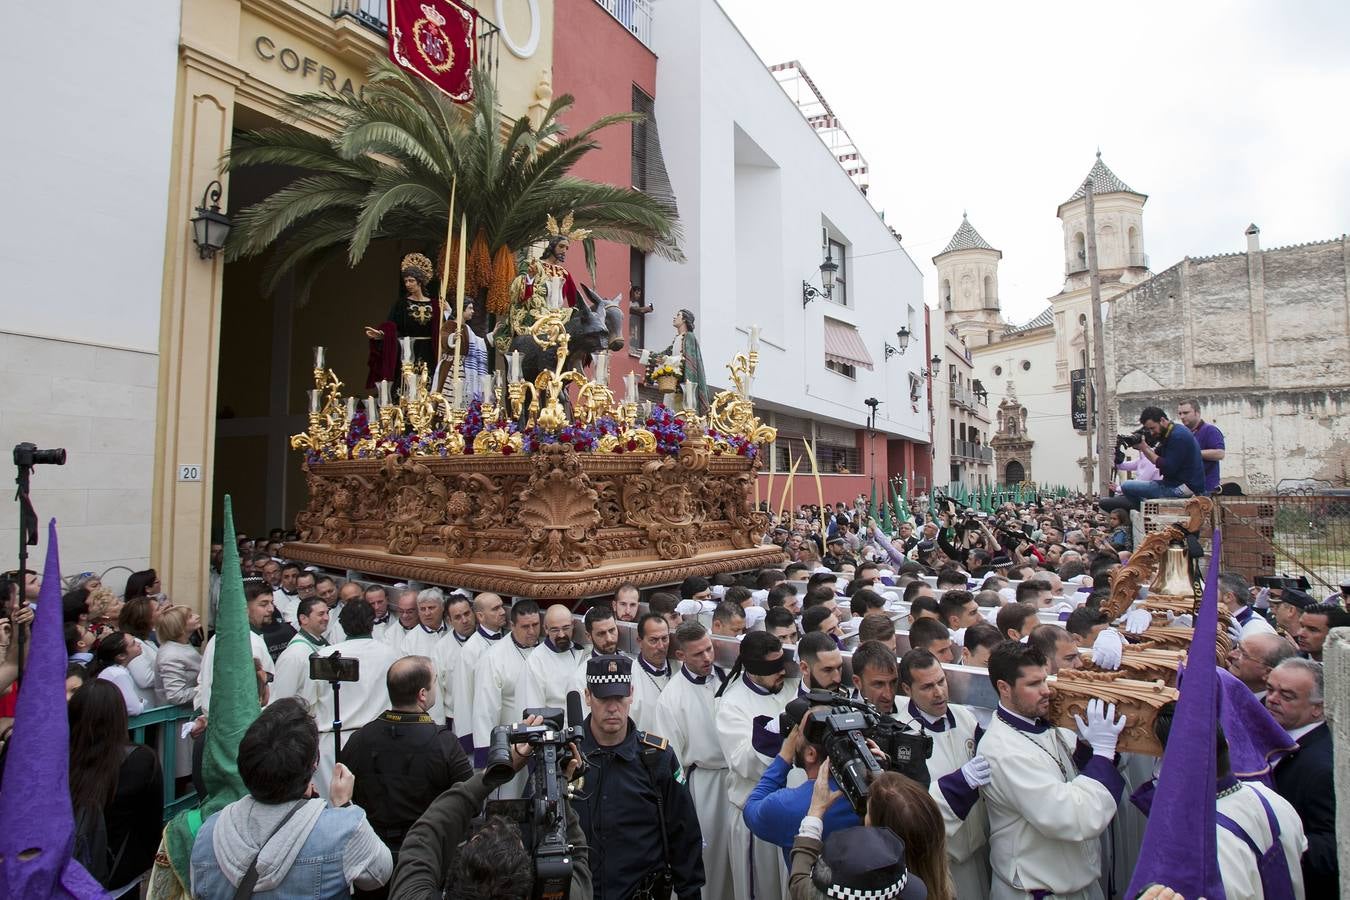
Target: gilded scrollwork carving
[{"x": 559, "y": 515}]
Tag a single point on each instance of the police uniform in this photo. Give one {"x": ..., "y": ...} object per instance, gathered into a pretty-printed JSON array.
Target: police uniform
[{"x": 629, "y": 790}]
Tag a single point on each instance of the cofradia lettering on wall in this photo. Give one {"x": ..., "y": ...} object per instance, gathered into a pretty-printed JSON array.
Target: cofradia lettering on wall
[{"x": 305, "y": 67}]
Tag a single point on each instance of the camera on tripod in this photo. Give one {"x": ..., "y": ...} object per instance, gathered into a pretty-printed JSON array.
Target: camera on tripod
[
  {"x": 843, "y": 730},
  {"x": 542, "y": 818},
  {"x": 28, "y": 455}
]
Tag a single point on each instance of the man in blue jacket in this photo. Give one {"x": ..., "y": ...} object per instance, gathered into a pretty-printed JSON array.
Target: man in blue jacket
[{"x": 1177, "y": 456}]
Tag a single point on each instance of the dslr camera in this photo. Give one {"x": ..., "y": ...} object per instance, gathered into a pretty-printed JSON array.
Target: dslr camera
[
  {"x": 1131, "y": 440},
  {"x": 542, "y": 818},
  {"x": 843, "y": 730}
]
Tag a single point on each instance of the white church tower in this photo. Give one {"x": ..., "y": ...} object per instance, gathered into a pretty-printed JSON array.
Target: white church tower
[
  {"x": 968, "y": 285},
  {"x": 1121, "y": 261}
]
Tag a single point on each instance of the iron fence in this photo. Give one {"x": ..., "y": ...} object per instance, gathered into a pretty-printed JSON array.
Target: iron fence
[{"x": 1294, "y": 533}]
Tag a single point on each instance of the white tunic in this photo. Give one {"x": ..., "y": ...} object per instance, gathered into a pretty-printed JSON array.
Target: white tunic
[
  {"x": 359, "y": 702},
  {"x": 496, "y": 688},
  {"x": 334, "y": 634},
  {"x": 447, "y": 665},
  {"x": 292, "y": 678},
  {"x": 422, "y": 641},
  {"x": 684, "y": 717},
  {"x": 1237, "y": 864},
  {"x": 394, "y": 635},
  {"x": 470, "y": 657},
  {"x": 1044, "y": 818},
  {"x": 549, "y": 675},
  {"x": 256, "y": 644},
  {"x": 647, "y": 687},
  {"x": 287, "y": 606},
  {"x": 379, "y": 629},
  {"x": 967, "y": 836},
  {"x": 1255, "y": 624}
]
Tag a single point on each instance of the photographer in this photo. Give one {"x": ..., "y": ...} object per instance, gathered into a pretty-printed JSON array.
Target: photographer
[
  {"x": 1177, "y": 457},
  {"x": 440, "y": 858},
  {"x": 773, "y": 810}
]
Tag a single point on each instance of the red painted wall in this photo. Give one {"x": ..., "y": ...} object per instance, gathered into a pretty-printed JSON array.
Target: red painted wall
[{"x": 598, "y": 62}]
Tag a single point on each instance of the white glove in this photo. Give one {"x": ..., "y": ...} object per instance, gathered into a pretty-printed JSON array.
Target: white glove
[
  {"x": 1107, "y": 649},
  {"x": 977, "y": 772},
  {"x": 644, "y": 356},
  {"x": 1137, "y": 621},
  {"x": 1102, "y": 729},
  {"x": 1182, "y": 621}
]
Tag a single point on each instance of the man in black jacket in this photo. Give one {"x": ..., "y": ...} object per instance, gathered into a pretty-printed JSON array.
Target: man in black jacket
[
  {"x": 636, "y": 810},
  {"x": 1304, "y": 777},
  {"x": 494, "y": 863},
  {"x": 403, "y": 758}
]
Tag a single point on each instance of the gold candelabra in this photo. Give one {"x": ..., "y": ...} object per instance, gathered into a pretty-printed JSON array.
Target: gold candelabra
[{"x": 732, "y": 412}]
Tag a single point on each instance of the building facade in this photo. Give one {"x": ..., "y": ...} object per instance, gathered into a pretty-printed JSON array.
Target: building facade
[
  {"x": 764, "y": 202},
  {"x": 1260, "y": 339}
]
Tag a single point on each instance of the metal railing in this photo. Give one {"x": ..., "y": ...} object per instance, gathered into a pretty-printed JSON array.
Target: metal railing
[
  {"x": 1296, "y": 534},
  {"x": 158, "y": 729},
  {"x": 972, "y": 451},
  {"x": 374, "y": 14},
  {"x": 964, "y": 396},
  {"x": 635, "y": 15}
]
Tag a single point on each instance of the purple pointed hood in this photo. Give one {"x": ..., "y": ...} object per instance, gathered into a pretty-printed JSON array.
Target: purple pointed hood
[
  {"x": 37, "y": 827},
  {"x": 1180, "y": 848}
]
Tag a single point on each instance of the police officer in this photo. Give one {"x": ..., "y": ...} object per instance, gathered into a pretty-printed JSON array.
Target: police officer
[{"x": 634, "y": 807}]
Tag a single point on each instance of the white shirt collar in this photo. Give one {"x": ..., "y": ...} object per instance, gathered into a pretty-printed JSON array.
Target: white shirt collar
[{"x": 1299, "y": 732}]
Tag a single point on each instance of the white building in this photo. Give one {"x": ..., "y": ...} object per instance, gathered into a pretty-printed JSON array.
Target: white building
[
  {"x": 764, "y": 202},
  {"x": 82, "y": 272}
]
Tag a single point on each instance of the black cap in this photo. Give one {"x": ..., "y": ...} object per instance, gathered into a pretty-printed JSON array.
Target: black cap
[
  {"x": 1295, "y": 597},
  {"x": 609, "y": 676},
  {"x": 862, "y": 863}
]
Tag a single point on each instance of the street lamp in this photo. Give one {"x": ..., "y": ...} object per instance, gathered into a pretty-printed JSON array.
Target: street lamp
[
  {"x": 827, "y": 270},
  {"x": 902, "y": 338},
  {"x": 210, "y": 227},
  {"x": 934, "y": 367}
]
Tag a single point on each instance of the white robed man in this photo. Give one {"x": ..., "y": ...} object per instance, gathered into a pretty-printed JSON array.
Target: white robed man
[
  {"x": 285, "y": 596},
  {"x": 406, "y": 620},
  {"x": 747, "y": 709},
  {"x": 1236, "y": 596},
  {"x": 431, "y": 627},
  {"x": 378, "y": 598},
  {"x": 602, "y": 629},
  {"x": 651, "y": 673},
  {"x": 335, "y": 596},
  {"x": 459, "y": 615},
  {"x": 1048, "y": 803},
  {"x": 357, "y": 702},
  {"x": 496, "y": 692},
  {"x": 258, "y": 595},
  {"x": 292, "y": 678},
  {"x": 551, "y": 670},
  {"x": 956, "y": 771},
  {"x": 490, "y": 612},
  {"x": 684, "y": 717}
]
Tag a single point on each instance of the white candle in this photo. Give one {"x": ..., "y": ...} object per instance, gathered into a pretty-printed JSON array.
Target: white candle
[
  {"x": 459, "y": 392},
  {"x": 754, "y": 337},
  {"x": 514, "y": 365},
  {"x": 486, "y": 385},
  {"x": 602, "y": 367},
  {"x": 690, "y": 389},
  {"x": 370, "y": 409},
  {"x": 318, "y": 357},
  {"x": 630, "y": 389},
  {"x": 405, "y": 347},
  {"x": 351, "y": 409},
  {"x": 315, "y": 395},
  {"x": 383, "y": 387},
  {"x": 410, "y": 386}
]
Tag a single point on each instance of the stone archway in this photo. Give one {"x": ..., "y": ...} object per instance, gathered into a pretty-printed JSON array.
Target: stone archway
[{"x": 1014, "y": 472}]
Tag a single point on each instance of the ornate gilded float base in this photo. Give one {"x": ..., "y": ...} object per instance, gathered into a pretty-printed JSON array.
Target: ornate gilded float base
[
  {"x": 1139, "y": 701},
  {"x": 552, "y": 524}
]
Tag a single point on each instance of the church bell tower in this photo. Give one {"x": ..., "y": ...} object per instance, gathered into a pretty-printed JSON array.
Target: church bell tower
[{"x": 968, "y": 285}]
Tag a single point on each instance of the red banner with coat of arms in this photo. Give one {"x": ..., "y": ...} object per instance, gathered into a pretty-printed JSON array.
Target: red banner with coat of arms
[{"x": 435, "y": 40}]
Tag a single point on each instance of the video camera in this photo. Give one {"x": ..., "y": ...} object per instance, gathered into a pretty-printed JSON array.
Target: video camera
[
  {"x": 1131, "y": 440},
  {"x": 542, "y": 818},
  {"x": 843, "y": 730},
  {"x": 1282, "y": 582}
]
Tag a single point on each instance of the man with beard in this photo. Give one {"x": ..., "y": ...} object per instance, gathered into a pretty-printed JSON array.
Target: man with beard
[
  {"x": 551, "y": 670},
  {"x": 685, "y": 717},
  {"x": 651, "y": 670},
  {"x": 821, "y": 664},
  {"x": 626, "y": 600},
  {"x": 749, "y": 700},
  {"x": 602, "y": 628}
]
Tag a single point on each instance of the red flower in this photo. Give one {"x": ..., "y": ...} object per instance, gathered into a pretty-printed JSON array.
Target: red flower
[
  {"x": 632, "y": 444},
  {"x": 507, "y": 450}
]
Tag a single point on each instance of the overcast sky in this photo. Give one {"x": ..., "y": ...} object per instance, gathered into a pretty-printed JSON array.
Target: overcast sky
[{"x": 1222, "y": 113}]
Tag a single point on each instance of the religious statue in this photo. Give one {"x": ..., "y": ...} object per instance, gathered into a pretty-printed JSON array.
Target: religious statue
[
  {"x": 414, "y": 316},
  {"x": 682, "y": 359},
  {"x": 473, "y": 355},
  {"x": 546, "y": 284}
]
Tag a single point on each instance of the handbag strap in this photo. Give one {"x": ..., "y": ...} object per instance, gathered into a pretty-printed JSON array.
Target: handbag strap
[{"x": 245, "y": 889}]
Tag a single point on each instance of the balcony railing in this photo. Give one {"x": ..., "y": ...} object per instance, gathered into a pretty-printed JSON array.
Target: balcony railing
[
  {"x": 972, "y": 451},
  {"x": 965, "y": 397},
  {"x": 374, "y": 14},
  {"x": 635, "y": 15}
]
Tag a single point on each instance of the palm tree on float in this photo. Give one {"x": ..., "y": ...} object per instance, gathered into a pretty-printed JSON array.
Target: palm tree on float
[{"x": 386, "y": 169}]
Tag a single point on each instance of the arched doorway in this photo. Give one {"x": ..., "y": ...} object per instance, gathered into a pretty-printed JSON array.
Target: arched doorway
[{"x": 1014, "y": 473}]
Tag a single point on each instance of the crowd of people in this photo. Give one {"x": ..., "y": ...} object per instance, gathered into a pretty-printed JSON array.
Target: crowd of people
[{"x": 687, "y": 778}]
